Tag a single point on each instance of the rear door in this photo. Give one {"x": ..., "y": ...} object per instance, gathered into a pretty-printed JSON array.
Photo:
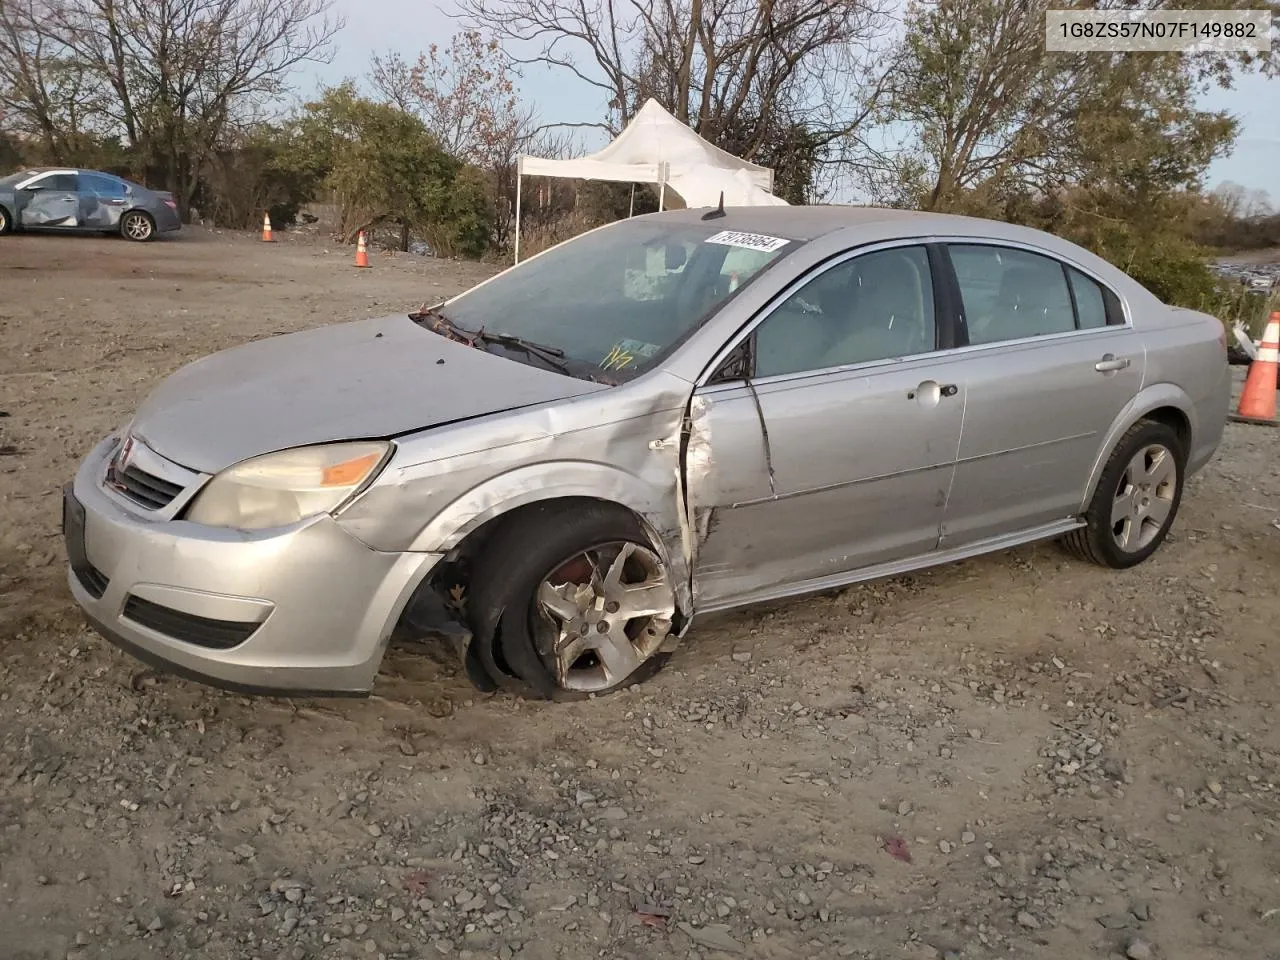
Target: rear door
[
  {"x": 827, "y": 440},
  {"x": 51, "y": 201},
  {"x": 102, "y": 200},
  {"x": 1051, "y": 359}
]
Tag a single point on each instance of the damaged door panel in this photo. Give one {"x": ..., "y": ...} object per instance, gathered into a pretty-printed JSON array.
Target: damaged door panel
[{"x": 862, "y": 464}]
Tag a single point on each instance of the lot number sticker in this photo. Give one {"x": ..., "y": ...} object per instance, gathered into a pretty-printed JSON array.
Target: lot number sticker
[{"x": 750, "y": 241}]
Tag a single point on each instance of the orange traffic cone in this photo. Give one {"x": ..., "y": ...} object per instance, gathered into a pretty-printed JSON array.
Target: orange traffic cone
[
  {"x": 1258, "y": 399},
  {"x": 266, "y": 228},
  {"x": 362, "y": 252}
]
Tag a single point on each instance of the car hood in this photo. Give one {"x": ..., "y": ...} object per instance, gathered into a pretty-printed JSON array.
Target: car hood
[{"x": 349, "y": 381}]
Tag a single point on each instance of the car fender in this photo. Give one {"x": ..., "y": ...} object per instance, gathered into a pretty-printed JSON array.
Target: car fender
[
  {"x": 1149, "y": 398},
  {"x": 655, "y": 505}
]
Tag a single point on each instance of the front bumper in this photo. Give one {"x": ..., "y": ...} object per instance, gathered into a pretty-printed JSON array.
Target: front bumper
[{"x": 306, "y": 609}]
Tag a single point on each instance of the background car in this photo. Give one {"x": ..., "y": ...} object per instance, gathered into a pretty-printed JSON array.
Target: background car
[
  {"x": 84, "y": 201},
  {"x": 673, "y": 415}
]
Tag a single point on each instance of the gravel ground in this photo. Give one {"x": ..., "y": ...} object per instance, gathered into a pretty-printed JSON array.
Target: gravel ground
[{"x": 1016, "y": 756}]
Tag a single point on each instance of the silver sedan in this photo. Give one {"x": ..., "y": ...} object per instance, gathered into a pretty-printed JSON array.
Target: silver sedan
[{"x": 686, "y": 412}]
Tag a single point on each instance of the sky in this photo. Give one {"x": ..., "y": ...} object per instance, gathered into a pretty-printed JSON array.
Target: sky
[{"x": 409, "y": 26}]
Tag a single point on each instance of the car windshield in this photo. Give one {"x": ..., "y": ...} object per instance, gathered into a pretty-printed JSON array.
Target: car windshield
[
  {"x": 611, "y": 304},
  {"x": 16, "y": 178}
]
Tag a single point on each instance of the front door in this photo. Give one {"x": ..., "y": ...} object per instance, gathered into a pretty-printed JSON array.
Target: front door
[
  {"x": 1052, "y": 363},
  {"x": 51, "y": 202},
  {"x": 837, "y": 454}
]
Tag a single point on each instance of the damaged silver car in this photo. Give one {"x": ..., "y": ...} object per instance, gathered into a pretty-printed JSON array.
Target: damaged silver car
[{"x": 678, "y": 413}]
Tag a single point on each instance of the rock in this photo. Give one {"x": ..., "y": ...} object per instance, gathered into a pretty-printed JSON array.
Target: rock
[
  {"x": 1141, "y": 910},
  {"x": 397, "y": 914},
  {"x": 156, "y": 925},
  {"x": 967, "y": 837},
  {"x": 904, "y": 808},
  {"x": 742, "y": 656},
  {"x": 374, "y": 830},
  {"x": 615, "y": 813},
  {"x": 1138, "y": 950},
  {"x": 991, "y": 861},
  {"x": 1215, "y": 787},
  {"x": 1027, "y": 920},
  {"x": 944, "y": 846},
  {"x": 479, "y": 760}
]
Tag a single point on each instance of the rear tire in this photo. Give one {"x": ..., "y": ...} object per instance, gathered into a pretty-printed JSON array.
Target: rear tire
[
  {"x": 524, "y": 570},
  {"x": 138, "y": 226},
  {"x": 1136, "y": 500}
]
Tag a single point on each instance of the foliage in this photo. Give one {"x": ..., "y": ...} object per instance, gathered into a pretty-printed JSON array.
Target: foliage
[
  {"x": 254, "y": 171},
  {"x": 383, "y": 165},
  {"x": 1108, "y": 150}
]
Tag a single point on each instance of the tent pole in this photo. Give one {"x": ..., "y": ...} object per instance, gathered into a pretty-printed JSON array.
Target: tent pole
[
  {"x": 662, "y": 192},
  {"x": 632, "y": 211},
  {"x": 518, "y": 179}
]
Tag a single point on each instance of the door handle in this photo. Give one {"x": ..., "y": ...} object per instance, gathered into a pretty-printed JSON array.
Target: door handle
[
  {"x": 1111, "y": 362},
  {"x": 930, "y": 392}
]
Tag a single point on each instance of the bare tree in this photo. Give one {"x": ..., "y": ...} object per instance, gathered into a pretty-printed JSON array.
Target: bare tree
[
  {"x": 742, "y": 73},
  {"x": 44, "y": 91},
  {"x": 465, "y": 95},
  {"x": 168, "y": 76}
]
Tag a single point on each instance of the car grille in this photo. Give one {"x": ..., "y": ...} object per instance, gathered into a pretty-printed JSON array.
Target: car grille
[
  {"x": 187, "y": 627},
  {"x": 145, "y": 489},
  {"x": 93, "y": 580}
]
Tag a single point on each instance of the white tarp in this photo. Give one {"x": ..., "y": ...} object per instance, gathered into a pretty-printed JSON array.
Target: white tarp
[{"x": 658, "y": 149}]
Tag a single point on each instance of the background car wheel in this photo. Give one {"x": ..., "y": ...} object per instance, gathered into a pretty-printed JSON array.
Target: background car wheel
[
  {"x": 1136, "y": 500},
  {"x": 136, "y": 225},
  {"x": 572, "y": 600},
  {"x": 4, "y": 220}
]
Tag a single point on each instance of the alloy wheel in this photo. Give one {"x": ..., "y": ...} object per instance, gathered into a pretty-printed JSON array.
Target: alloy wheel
[
  {"x": 1144, "y": 497},
  {"x": 137, "y": 226},
  {"x": 602, "y": 613}
]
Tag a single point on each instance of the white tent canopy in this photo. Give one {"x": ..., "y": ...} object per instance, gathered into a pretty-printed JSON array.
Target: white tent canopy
[{"x": 656, "y": 148}]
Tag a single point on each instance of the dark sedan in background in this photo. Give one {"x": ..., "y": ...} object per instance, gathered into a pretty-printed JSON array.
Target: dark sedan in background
[{"x": 84, "y": 201}]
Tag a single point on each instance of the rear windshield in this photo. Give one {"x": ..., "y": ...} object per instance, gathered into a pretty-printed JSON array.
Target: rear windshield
[{"x": 618, "y": 300}]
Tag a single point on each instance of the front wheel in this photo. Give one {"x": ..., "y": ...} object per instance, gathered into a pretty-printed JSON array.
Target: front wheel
[
  {"x": 4, "y": 221},
  {"x": 1136, "y": 500},
  {"x": 136, "y": 225},
  {"x": 573, "y": 601}
]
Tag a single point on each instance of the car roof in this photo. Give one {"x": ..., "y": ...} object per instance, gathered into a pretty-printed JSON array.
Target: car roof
[{"x": 811, "y": 222}]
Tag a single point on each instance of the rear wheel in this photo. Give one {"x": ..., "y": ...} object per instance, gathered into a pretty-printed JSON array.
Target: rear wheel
[
  {"x": 572, "y": 601},
  {"x": 1136, "y": 500},
  {"x": 136, "y": 225}
]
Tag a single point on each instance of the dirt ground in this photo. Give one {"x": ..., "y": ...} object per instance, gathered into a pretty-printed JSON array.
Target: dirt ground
[{"x": 1020, "y": 755}]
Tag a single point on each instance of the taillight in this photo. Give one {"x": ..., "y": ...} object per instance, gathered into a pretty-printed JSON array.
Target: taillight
[{"x": 171, "y": 204}]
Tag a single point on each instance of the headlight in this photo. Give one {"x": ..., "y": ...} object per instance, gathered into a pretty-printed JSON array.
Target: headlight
[{"x": 282, "y": 488}]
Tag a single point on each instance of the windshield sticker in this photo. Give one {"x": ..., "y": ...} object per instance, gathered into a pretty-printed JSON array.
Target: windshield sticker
[
  {"x": 625, "y": 352},
  {"x": 750, "y": 241}
]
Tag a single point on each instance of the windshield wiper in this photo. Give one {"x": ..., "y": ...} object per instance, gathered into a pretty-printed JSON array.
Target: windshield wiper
[{"x": 477, "y": 338}]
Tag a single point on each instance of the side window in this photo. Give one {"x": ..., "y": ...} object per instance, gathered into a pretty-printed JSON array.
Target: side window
[
  {"x": 58, "y": 181},
  {"x": 1096, "y": 306},
  {"x": 1010, "y": 294},
  {"x": 101, "y": 186},
  {"x": 872, "y": 307}
]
